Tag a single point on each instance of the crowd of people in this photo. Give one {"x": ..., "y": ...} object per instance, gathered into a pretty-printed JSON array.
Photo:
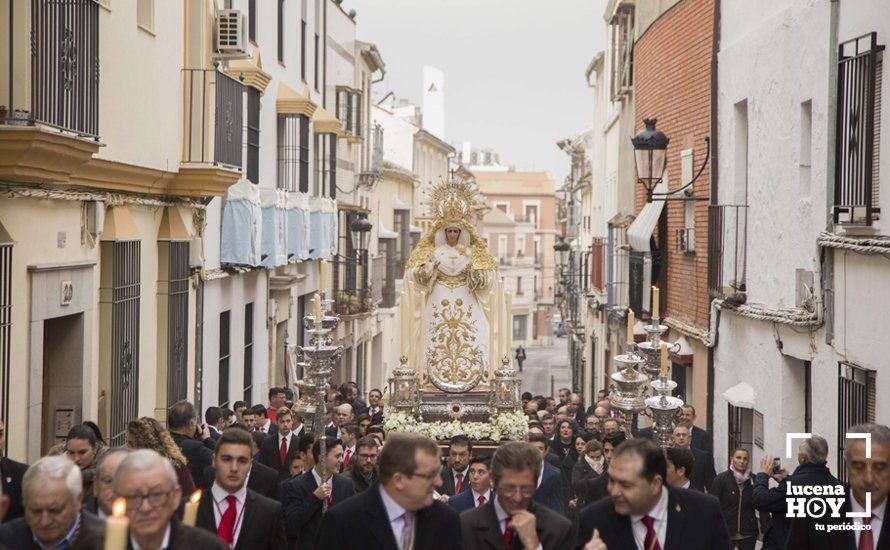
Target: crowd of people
[{"x": 582, "y": 479}]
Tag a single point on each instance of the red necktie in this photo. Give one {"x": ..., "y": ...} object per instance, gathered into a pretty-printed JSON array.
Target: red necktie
[
  {"x": 283, "y": 451},
  {"x": 508, "y": 534},
  {"x": 866, "y": 540},
  {"x": 226, "y": 527},
  {"x": 459, "y": 484},
  {"x": 346, "y": 459},
  {"x": 651, "y": 542},
  {"x": 481, "y": 500}
]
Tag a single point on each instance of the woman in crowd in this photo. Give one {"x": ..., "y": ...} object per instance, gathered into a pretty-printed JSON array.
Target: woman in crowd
[
  {"x": 734, "y": 488},
  {"x": 84, "y": 449},
  {"x": 589, "y": 467},
  {"x": 147, "y": 433},
  {"x": 563, "y": 443}
]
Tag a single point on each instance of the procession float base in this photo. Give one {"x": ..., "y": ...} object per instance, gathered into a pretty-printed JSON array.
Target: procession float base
[{"x": 471, "y": 406}]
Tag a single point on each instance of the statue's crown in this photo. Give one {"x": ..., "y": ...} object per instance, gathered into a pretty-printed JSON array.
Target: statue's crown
[{"x": 453, "y": 200}]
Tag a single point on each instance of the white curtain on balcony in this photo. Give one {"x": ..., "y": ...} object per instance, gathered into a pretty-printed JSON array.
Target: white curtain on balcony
[
  {"x": 298, "y": 226},
  {"x": 640, "y": 231},
  {"x": 322, "y": 227},
  {"x": 274, "y": 235},
  {"x": 241, "y": 239}
]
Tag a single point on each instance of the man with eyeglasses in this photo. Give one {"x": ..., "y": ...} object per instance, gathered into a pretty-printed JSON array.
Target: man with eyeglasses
[
  {"x": 103, "y": 484},
  {"x": 148, "y": 483},
  {"x": 240, "y": 517},
  {"x": 363, "y": 470},
  {"x": 52, "y": 491},
  {"x": 399, "y": 511},
  {"x": 512, "y": 520}
]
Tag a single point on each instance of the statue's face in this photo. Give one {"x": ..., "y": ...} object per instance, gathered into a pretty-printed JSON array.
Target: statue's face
[{"x": 452, "y": 234}]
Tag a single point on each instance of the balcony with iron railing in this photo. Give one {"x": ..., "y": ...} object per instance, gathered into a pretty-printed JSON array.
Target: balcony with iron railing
[
  {"x": 727, "y": 249},
  {"x": 597, "y": 263},
  {"x": 213, "y": 118},
  {"x": 518, "y": 260},
  {"x": 352, "y": 292}
]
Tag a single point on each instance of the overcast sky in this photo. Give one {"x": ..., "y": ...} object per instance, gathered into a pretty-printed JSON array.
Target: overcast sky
[{"x": 514, "y": 69}]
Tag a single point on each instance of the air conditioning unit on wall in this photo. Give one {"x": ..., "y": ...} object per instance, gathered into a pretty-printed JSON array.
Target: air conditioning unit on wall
[{"x": 230, "y": 35}]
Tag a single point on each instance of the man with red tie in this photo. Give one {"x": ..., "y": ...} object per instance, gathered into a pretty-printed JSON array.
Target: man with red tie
[
  {"x": 644, "y": 512},
  {"x": 512, "y": 520},
  {"x": 454, "y": 474},
  {"x": 276, "y": 449},
  {"x": 480, "y": 486},
  {"x": 375, "y": 409},
  {"x": 350, "y": 433},
  {"x": 242, "y": 518}
]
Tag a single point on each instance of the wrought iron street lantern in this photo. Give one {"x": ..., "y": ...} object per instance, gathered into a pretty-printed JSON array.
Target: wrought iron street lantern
[
  {"x": 650, "y": 155},
  {"x": 562, "y": 252},
  {"x": 360, "y": 229}
]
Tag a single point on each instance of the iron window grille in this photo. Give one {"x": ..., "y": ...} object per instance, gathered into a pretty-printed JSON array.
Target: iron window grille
[
  {"x": 65, "y": 65},
  {"x": 177, "y": 321},
  {"x": 125, "y": 320},
  {"x": 253, "y": 135},
  {"x": 281, "y": 30},
  {"x": 402, "y": 228},
  {"x": 248, "y": 352},
  {"x": 251, "y": 20},
  {"x": 5, "y": 327},
  {"x": 292, "y": 151},
  {"x": 225, "y": 321},
  {"x": 622, "y": 27},
  {"x": 856, "y": 404},
  {"x": 325, "y": 165},
  {"x": 858, "y": 131},
  {"x": 741, "y": 428},
  {"x": 727, "y": 249}
]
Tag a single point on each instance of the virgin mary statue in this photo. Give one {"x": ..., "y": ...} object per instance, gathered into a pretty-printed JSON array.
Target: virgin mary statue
[{"x": 453, "y": 267}]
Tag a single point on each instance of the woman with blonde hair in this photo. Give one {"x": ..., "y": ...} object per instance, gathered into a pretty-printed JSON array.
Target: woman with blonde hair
[{"x": 147, "y": 433}]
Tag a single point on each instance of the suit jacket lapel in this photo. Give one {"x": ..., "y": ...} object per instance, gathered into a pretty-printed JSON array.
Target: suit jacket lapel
[
  {"x": 205, "y": 511},
  {"x": 674, "y": 521},
  {"x": 378, "y": 519},
  {"x": 490, "y": 528},
  {"x": 246, "y": 518}
]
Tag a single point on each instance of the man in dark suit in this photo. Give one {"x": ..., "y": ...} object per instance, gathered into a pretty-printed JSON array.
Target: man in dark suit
[
  {"x": 196, "y": 445},
  {"x": 241, "y": 518},
  {"x": 454, "y": 473},
  {"x": 480, "y": 491},
  {"x": 643, "y": 508},
  {"x": 11, "y": 472},
  {"x": 550, "y": 491},
  {"x": 277, "y": 450},
  {"x": 103, "y": 482},
  {"x": 512, "y": 520},
  {"x": 146, "y": 475},
  {"x": 363, "y": 470},
  {"x": 302, "y": 496},
  {"x": 262, "y": 479},
  {"x": 812, "y": 470},
  {"x": 865, "y": 475},
  {"x": 213, "y": 417},
  {"x": 52, "y": 511},
  {"x": 342, "y": 416},
  {"x": 375, "y": 409},
  {"x": 702, "y": 473},
  {"x": 400, "y": 511},
  {"x": 699, "y": 439}
]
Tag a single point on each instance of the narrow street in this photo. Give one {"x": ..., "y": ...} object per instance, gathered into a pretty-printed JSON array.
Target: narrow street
[{"x": 546, "y": 369}]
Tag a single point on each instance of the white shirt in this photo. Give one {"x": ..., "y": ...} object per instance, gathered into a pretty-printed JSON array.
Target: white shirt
[
  {"x": 289, "y": 440},
  {"x": 476, "y": 496},
  {"x": 219, "y": 496},
  {"x": 502, "y": 520},
  {"x": 877, "y": 518},
  {"x": 659, "y": 514},
  {"x": 296, "y": 432},
  {"x": 395, "y": 513},
  {"x": 464, "y": 479},
  {"x": 318, "y": 481},
  {"x": 685, "y": 485},
  {"x": 265, "y": 427},
  {"x": 164, "y": 543}
]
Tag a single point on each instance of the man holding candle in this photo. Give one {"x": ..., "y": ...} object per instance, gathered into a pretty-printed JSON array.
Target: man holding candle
[
  {"x": 52, "y": 492},
  {"x": 241, "y": 518},
  {"x": 148, "y": 484}
]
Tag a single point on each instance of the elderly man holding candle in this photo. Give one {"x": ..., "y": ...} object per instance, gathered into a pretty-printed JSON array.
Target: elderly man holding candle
[
  {"x": 52, "y": 493},
  {"x": 148, "y": 484}
]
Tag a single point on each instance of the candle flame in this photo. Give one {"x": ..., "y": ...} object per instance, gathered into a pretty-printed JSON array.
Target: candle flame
[
  {"x": 196, "y": 496},
  {"x": 119, "y": 508}
]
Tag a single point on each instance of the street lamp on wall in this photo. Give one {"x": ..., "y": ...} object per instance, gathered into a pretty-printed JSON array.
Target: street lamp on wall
[
  {"x": 360, "y": 229},
  {"x": 562, "y": 252},
  {"x": 650, "y": 157}
]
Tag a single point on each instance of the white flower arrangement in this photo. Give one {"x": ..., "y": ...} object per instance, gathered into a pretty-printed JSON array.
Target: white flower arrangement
[{"x": 511, "y": 426}]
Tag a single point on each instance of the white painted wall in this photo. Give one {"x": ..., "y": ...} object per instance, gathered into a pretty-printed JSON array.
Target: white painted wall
[{"x": 434, "y": 101}]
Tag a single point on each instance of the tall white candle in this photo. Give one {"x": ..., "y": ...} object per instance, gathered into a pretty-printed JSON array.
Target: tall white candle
[
  {"x": 509, "y": 326},
  {"x": 631, "y": 321},
  {"x": 190, "y": 513},
  {"x": 411, "y": 347},
  {"x": 403, "y": 319},
  {"x": 116, "y": 526},
  {"x": 323, "y": 285},
  {"x": 655, "y": 303},
  {"x": 316, "y": 309},
  {"x": 502, "y": 333},
  {"x": 492, "y": 355},
  {"x": 420, "y": 343}
]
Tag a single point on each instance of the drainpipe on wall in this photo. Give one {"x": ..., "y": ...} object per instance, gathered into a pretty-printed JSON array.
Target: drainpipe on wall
[
  {"x": 713, "y": 180},
  {"x": 824, "y": 281},
  {"x": 199, "y": 342}
]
